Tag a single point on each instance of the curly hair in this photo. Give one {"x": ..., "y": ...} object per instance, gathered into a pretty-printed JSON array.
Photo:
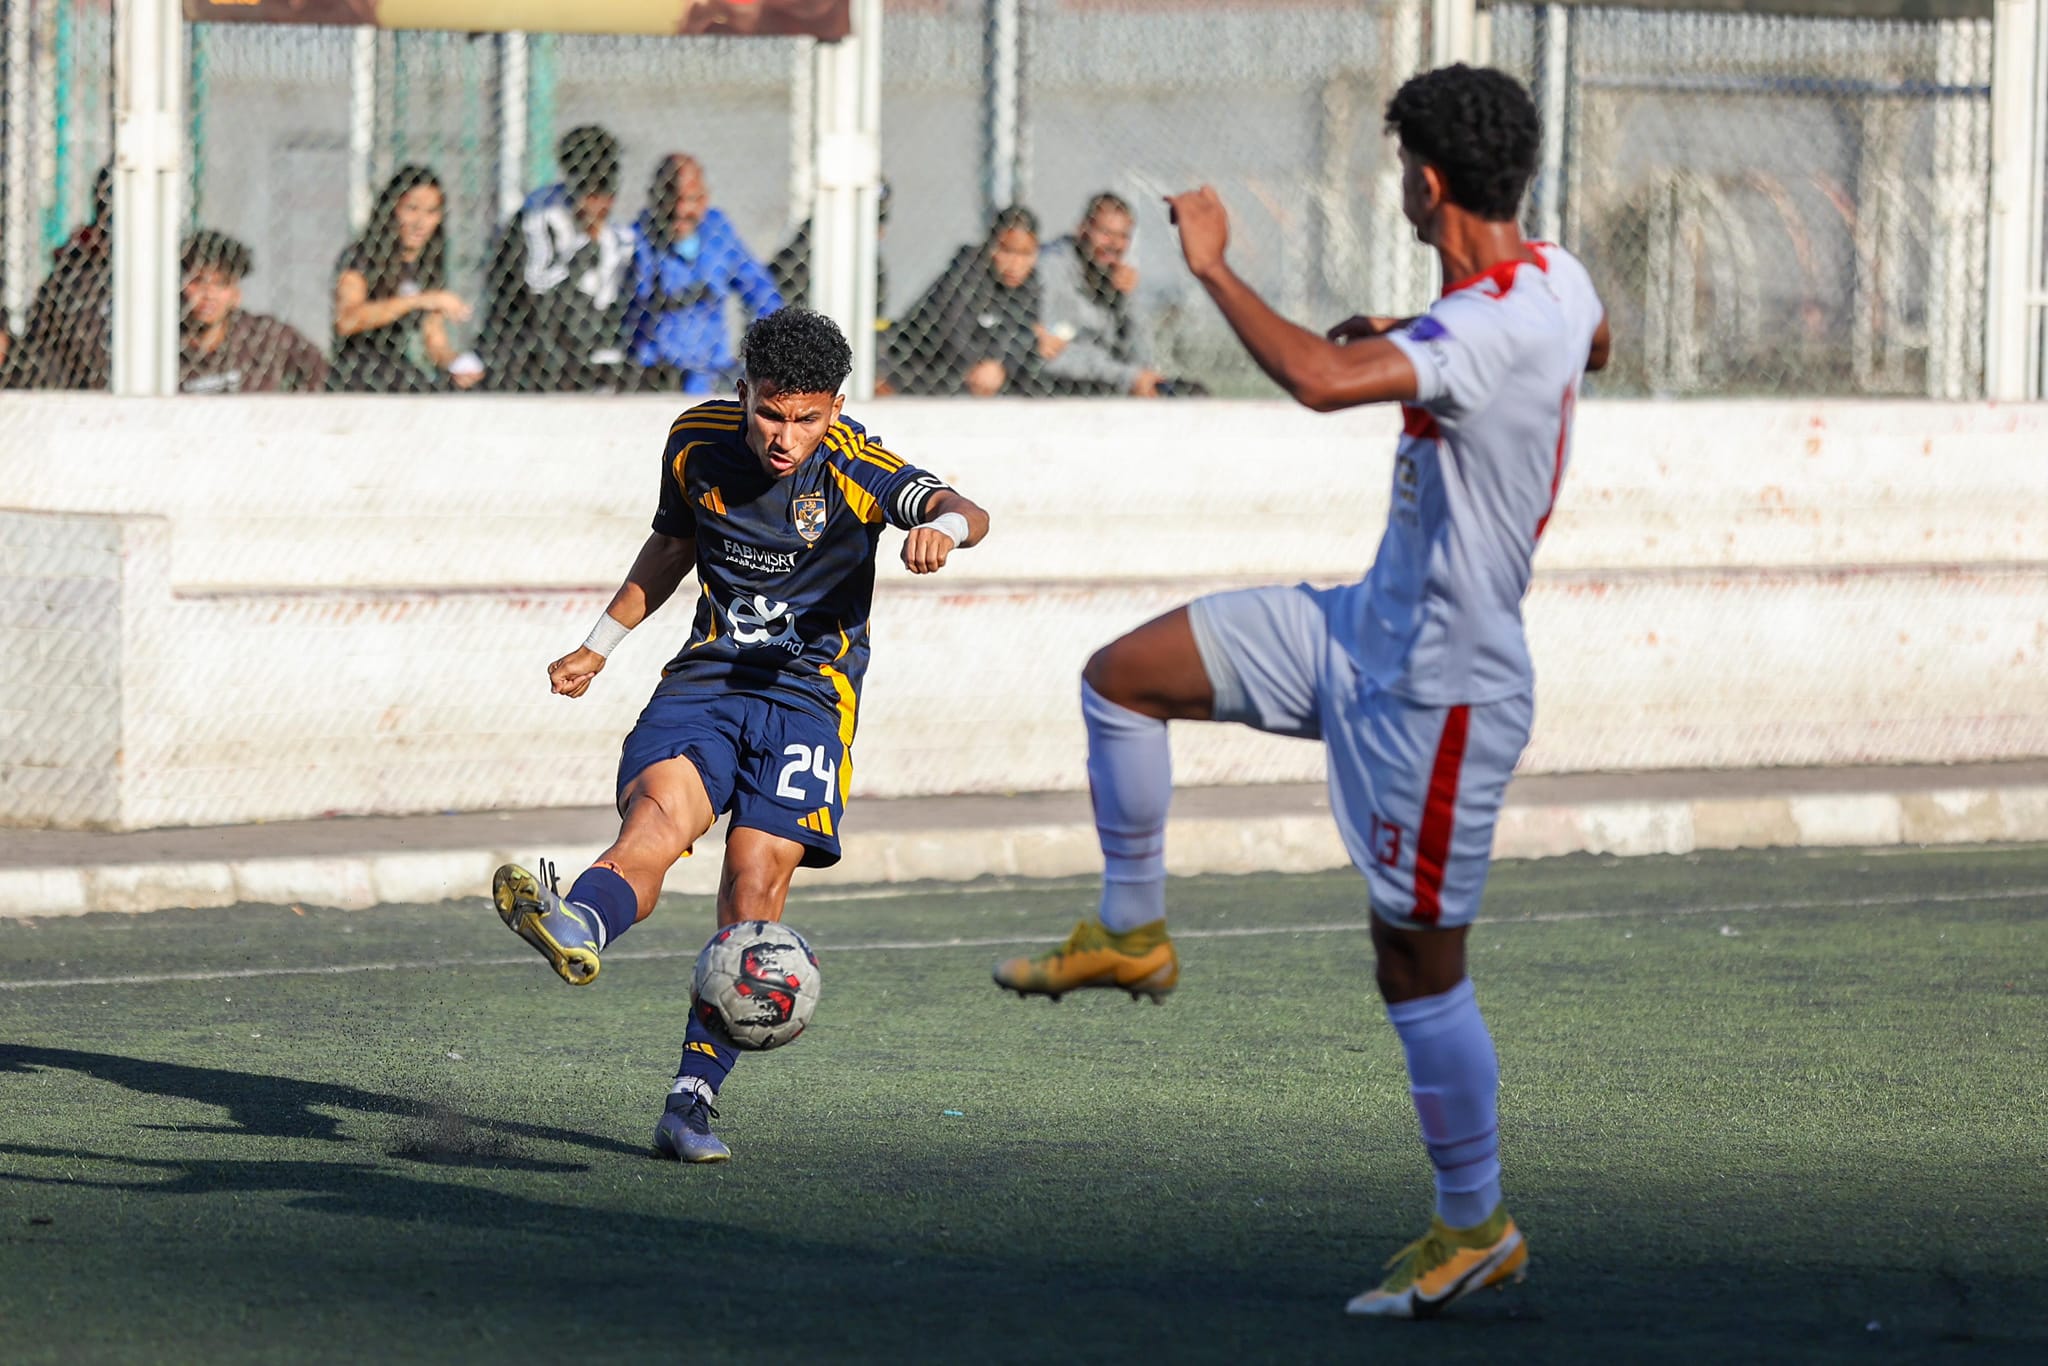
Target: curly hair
[
  {"x": 1478, "y": 127},
  {"x": 796, "y": 351}
]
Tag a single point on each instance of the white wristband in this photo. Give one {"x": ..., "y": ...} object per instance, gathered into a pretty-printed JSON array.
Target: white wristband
[
  {"x": 606, "y": 635},
  {"x": 950, "y": 524}
]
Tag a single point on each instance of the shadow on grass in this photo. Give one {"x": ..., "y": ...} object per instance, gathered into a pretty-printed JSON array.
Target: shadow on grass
[
  {"x": 280, "y": 1107},
  {"x": 350, "y": 1188}
]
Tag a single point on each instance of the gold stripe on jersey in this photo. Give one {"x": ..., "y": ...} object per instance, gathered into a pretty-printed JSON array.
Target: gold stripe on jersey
[
  {"x": 705, "y": 591},
  {"x": 859, "y": 499},
  {"x": 681, "y": 464},
  {"x": 855, "y": 447},
  {"x": 713, "y": 499},
  {"x": 849, "y": 706},
  {"x": 709, "y": 417}
]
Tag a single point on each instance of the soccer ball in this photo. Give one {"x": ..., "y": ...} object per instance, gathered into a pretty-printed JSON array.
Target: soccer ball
[{"x": 756, "y": 984}]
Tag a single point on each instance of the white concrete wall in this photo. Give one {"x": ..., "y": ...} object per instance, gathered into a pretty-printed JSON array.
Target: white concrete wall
[{"x": 275, "y": 608}]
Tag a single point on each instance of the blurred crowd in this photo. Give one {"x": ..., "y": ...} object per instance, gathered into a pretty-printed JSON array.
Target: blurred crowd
[{"x": 576, "y": 298}]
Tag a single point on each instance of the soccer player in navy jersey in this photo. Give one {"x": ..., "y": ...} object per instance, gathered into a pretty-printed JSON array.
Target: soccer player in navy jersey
[{"x": 778, "y": 502}]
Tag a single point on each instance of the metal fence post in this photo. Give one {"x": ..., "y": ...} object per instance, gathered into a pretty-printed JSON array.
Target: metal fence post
[
  {"x": 1002, "y": 114},
  {"x": 1453, "y": 31},
  {"x": 848, "y": 94},
  {"x": 17, "y": 213},
  {"x": 1552, "y": 92},
  {"x": 2016, "y": 296},
  {"x": 511, "y": 118},
  {"x": 362, "y": 124},
  {"x": 149, "y": 137}
]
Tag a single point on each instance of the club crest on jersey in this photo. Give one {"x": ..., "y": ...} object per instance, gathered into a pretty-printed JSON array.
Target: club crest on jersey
[{"x": 808, "y": 512}]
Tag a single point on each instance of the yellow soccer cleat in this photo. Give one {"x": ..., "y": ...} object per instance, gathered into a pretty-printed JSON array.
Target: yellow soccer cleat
[
  {"x": 1141, "y": 962},
  {"x": 534, "y": 911},
  {"x": 1446, "y": 1264}
]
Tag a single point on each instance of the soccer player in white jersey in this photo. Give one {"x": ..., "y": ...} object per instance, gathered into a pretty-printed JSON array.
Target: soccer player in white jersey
[{"x": 1417, "y": 679}]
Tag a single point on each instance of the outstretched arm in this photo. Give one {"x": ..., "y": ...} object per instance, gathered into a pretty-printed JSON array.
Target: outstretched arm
[
  {"x": 926, "y": 545},
  {"x": 658, "y": 570},
  {"x": 1317, "y": 372}
]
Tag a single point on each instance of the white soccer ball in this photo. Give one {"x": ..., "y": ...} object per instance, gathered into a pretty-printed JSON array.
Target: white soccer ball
[{"x": 756, "y": 984}]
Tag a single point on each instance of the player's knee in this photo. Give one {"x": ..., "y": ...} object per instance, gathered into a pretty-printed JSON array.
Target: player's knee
[
  {"x": 1108, "y": 672},
  {"x": 1411, "y": 964},
  {"x": 654, "y": 822},
  {"x": 754, "y": 894}
]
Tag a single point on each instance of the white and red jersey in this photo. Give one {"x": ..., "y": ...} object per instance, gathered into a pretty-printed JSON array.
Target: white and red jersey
[{"x": 1498, "y": 360}]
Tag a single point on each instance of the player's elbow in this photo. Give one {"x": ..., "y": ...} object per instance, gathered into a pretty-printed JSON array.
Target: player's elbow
[
  {"x": 1319, "y": 384},
  {"x": 1319, "y": 393}
]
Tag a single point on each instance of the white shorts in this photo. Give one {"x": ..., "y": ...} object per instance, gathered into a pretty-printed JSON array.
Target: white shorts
[{"x": 1416, "y": 789}]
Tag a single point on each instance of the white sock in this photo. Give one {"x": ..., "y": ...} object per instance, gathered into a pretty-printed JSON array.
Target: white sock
[
  {"x": 1454, "y": 1076},
  {"x": 1130, "y": 777},
  {"x": 695, "y": 1086}
]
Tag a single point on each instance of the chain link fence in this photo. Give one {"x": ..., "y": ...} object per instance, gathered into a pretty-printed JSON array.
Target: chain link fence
[
  {"x": 56, "y": 141},
  {"x": 1769, "y": 205},
  {"x": 512, "y": 213},
  {"x": 1083, "y": 114}
]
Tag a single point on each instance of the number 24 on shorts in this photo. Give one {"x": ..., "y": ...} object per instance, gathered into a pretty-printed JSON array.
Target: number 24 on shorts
[{"x": 805, "y": 761}]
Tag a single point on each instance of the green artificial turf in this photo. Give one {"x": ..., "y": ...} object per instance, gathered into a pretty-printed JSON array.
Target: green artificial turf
[{"x": 1783, "y": 1108}]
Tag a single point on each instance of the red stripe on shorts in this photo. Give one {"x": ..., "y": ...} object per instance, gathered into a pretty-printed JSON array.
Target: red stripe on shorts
[{"x": 1433, "y": 845}]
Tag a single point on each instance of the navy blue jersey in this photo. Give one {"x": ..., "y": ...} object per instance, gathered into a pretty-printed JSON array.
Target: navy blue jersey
[{"x": 786, "y": 567}]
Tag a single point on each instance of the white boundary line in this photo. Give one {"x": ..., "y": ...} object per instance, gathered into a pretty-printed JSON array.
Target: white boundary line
[{"x": 1009, "y": 941}]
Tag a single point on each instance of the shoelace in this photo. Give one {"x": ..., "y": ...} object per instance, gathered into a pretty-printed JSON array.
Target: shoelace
[
  {"x": 547, "y": 872},
  {"x": 1428, "y": 1250}
]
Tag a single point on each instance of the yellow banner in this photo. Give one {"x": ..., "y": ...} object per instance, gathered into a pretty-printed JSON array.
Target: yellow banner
[{"x": 765, "y": 18}]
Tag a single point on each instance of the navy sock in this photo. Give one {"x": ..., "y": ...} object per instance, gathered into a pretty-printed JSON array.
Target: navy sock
[
  {"x": 611, "y": 896},
  {"x": 706, "y": 1058}
]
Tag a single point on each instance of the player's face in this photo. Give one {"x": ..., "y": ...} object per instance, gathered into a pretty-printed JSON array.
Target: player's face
[
  {"x": 783, "y": 430},
  {"x": 417, "y": 213},
  {"x": 210, "y": 295},
  {"x": 1421, "y": 195},
  {"x": 1014, "y": 254},
  {"x": 1106, "y": 237}
]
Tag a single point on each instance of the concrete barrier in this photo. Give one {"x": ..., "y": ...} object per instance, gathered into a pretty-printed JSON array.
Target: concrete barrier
[{"x": 263, "y": 609}]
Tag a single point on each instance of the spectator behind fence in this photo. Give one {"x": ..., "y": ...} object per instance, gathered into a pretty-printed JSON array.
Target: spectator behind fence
[
  {"x": 560, "y": 278},
  {"x": 687, "y": 260},
  {"x": 223, "y": 350},
  {"x": 65, "y": 340},
  {"x": 976, "y": 329},
  {"x": 792, "y": 265},
  {"x": 392, "y": 305},
  {"x": 1099, "y": 342}
]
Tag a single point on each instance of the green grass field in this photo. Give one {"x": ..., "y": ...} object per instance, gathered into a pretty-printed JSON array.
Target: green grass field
[{"x": 1783, "y": 1108}]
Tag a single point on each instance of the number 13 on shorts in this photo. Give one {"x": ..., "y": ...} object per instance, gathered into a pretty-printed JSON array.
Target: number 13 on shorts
[{"x": 1386, "y": 841}]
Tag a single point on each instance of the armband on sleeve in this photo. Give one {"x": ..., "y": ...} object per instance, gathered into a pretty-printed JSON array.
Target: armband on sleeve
[{"x": 911, "y": 498}]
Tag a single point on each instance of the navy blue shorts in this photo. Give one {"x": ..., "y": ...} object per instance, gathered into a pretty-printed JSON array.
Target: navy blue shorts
[{"x": 776, "y": 766}]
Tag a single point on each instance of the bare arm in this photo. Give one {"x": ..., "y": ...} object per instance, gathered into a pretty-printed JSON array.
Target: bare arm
[
  {"x": 1315, "y": 371},
  {"x": 658, "y": 570},
  {"x": 434, "y": 332},
  {"x": 354, "y": 312},
  {"x": 924, "y": 549},
  {"x": 1603, "y": 341}
]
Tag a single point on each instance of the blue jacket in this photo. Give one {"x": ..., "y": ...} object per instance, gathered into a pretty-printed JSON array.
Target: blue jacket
[{"x": 677, "y": 314}]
